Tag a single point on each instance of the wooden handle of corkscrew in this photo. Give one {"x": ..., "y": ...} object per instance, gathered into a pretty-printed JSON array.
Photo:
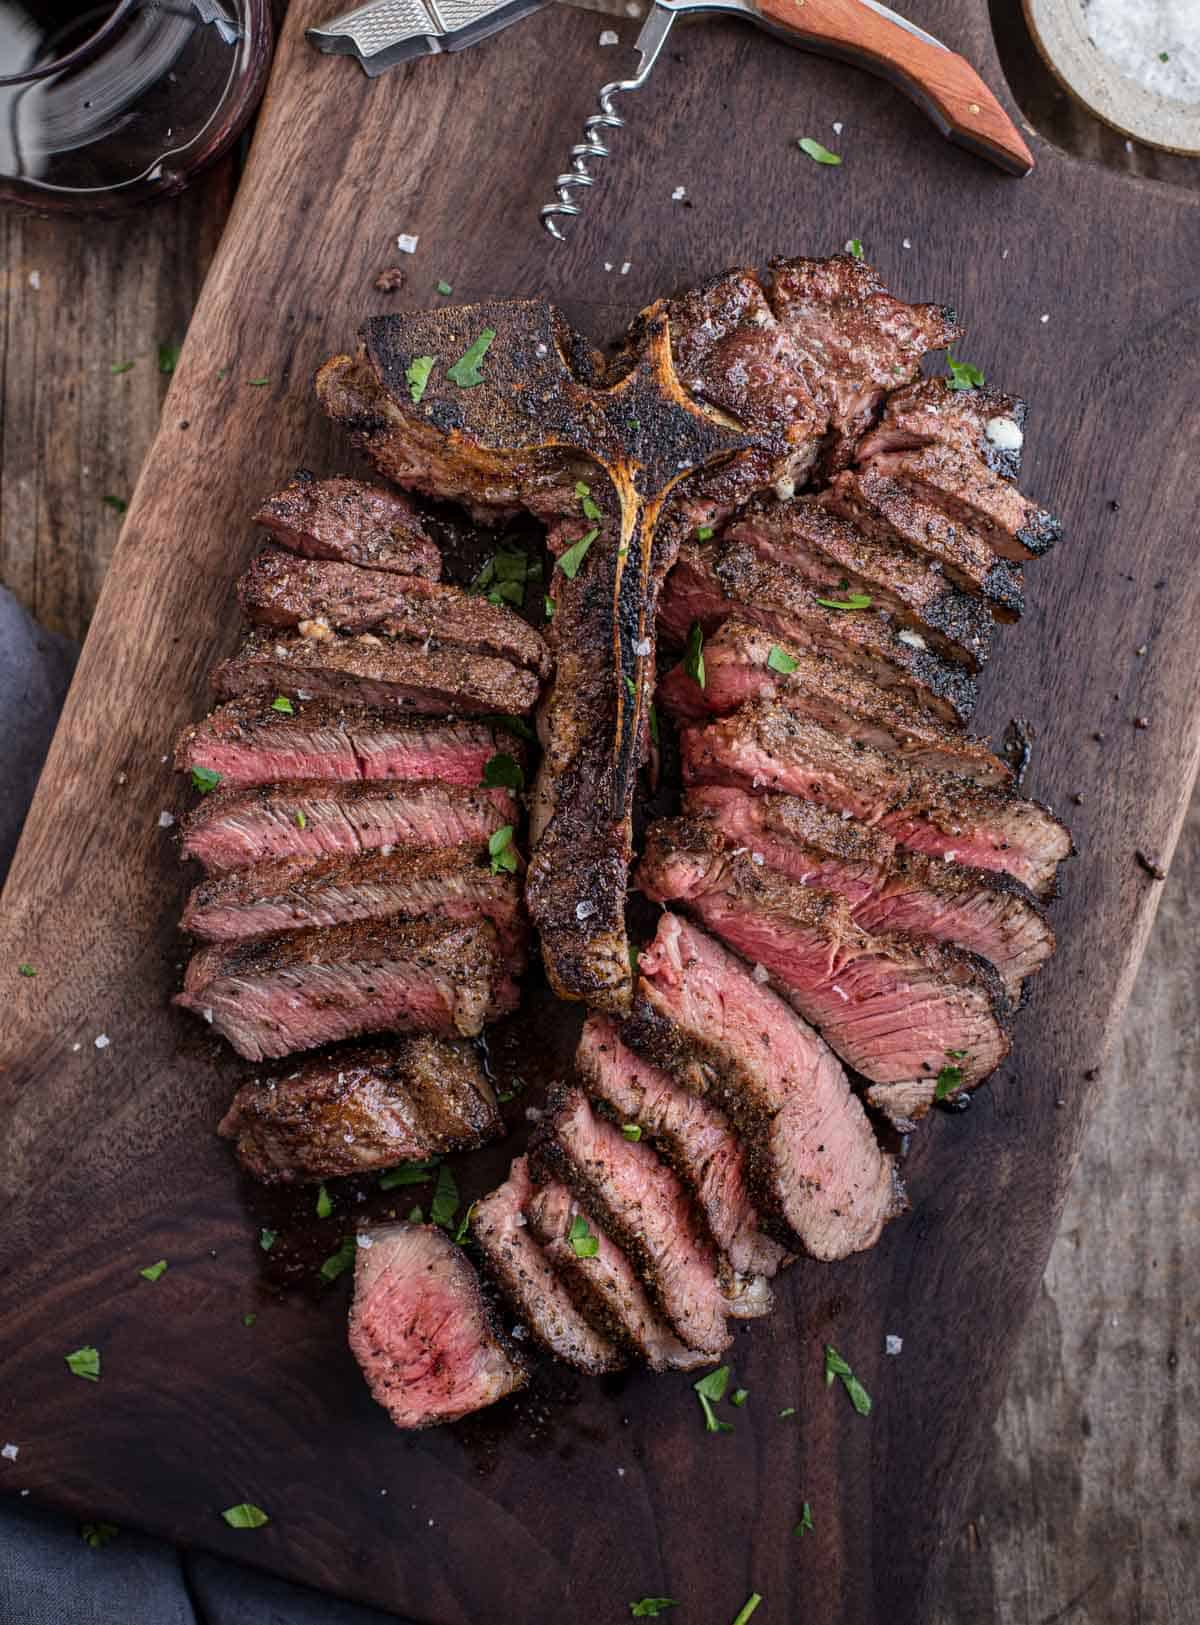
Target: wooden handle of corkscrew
[{"x": 941, "y": 82}]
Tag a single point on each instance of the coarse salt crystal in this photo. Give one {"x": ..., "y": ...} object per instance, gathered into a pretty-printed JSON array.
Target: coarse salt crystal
[
  {"x": 35, "y": 280},
  {"x": 363, "y": 1240},
  {"x": 10, "y": 1452},
  {"x": 678, "y": 195},
  {"x": 892, "y": 1344},
  {"x": 620, "y": 1472},
  {"x": 844, "y": 996},
  {"x": 541, "y": 349},
  {"x": 642, "y": 646},
  {"x": 102, "y": 1041},
  {"x": 949, "y": 857},
  {"x": 626, "y": 268},
  {"x": 303, "y": 694},
  {"x": 584, "y": 910},
  {"x": 386, "y": 851},
  {"x": 837, "y": 126},
  {"x": 1004, "y": 433},
  {"x": 165, "y": 819},
  {"x": 1045, "y": 317},
  {"x": 913, "y": 639},
  {"x": 757, "y": 857},
  {"x": 760, "y": 974},
  {"x": 906, "y": 243},
  {"x": 1129, "y": 146},
  {"x": 207, "y": 1013},
  {"x": 519, "y": 1332},
  {"x": 75, "y": 1048},
  {"x": 633, "y": 9},
  {"x": 406, "y": 243},
  {"x": 608, "y": 265},
  {"x": 1004, "y": 253},
  {"x": 610, "y": 37}
]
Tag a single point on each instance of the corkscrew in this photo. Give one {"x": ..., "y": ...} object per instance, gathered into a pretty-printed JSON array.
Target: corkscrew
[{"x": 865, "y": 32}]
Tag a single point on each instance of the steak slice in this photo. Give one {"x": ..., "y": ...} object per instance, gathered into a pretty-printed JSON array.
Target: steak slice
[
  {"x": 372, "y": 1106},
  {"x": 356, "y": 523},
  {"x": 815, "y": 1167},
  {"x": 280, "y": 590},
  {"x": 365, "y": 670},
  {"x": 427, "y": 1339},
  {"x": 713, "y": 583},
  {"x": 527, "y": 1278},
  {"x": 990, "y": 914},
  {"x": 249, "y": 742},
  {"x": 312, "y": 818},
  {"x": 885, "y": 508},
  {"x": 694, "y": 1136},
  {"x": 605, "y": 1284},
  {"x": 410, "y": 883},
  {"x": 980, "y": 422},
  {"x": 644, "y": 1208},
  {"x": 835, "y": 560},
  {"x": 892, "y": 1007},
  {"x": 273, "y": 996},
  {"x": 744, "y": 663},
  {"x": 765, "y": 747}
]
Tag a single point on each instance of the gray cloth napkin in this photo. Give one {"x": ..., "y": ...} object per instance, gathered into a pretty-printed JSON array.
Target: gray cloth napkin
[{"x": 48, "y": 1574}]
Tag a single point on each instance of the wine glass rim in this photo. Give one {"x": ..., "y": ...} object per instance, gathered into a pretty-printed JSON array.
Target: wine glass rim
[{"x": 81, "y": 52}]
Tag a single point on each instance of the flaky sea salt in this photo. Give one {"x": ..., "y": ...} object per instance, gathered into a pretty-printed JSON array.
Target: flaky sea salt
[
  {"x": 584, "y": 910},
  {"x": 1044, "y": 318},
  {"x": 760, "y": 973},
  {"x": 102, "y": 1041},
  {"x": 406, "y": 243},
  {"x": 1004, "y": 433},
  {"x": 35, "y": 280},
  {"x": 892, "y": 1344},
  {"x": 678, "y": 195},
  {"x": 363, "y": 1240},
  {"x": 10, "y": 1452},
  {"x": 913, "y": 639},
  {"x": 627, "y": 267},
  {"x": 610, "y": 37},
  {"x": 165, "y": 819},
  {"x": 642, "y": 646},
  {"x": 838, "y": 126},
  {"x": 906, "y": 243},
  {"x": 757, "y": 857}
]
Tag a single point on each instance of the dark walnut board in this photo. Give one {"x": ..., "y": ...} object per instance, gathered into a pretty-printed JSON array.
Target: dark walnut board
[{"x": 583, "y": 1496}]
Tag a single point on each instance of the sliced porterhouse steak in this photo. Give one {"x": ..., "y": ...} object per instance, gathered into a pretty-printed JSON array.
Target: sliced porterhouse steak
[
  {"x": 347, "y": 520},
  {"x": 981, "y": 422},
  {"x": 429, "y": 1342},
  {"x": 894, "y": 1008},
  {"x": 280, "y": 590},
  {"x": 816, "y": 1169},
  {"x": 312, "y": 818},
  {"x": 990, "y": 914},
  {"x": 695, "y": 1137},
  {"x": 250, "y": 742},
  {"x": 744, "y": 663},
  {"x": 604, "y": 1284},
  {"x": 365, "y": 670},
  {"x": 410, "y": 883},
  {"x": 365, "y": 1107},
  {"x": 834, "y": 560},
  {"x": 717, "y": 582},
  {"x": 644, "y": 1208},
  {"x": 891, "y": 511},
  {"x": 526, "y": 1276},
  {"x": 273, "y": 996},
  {"x": 765, "y": 747}
]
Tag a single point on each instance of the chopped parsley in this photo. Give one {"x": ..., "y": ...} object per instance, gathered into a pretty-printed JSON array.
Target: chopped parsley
[
  {"x": 205, "y": 779},
  {"x": 168, "y": 357},
  {"x": 462, "y": 1234},
  {"x": 445, "y": 289},
  {"x": 548, "y": 605},
  {"x": 26, "y": 970},
  {"x": 416, "y": 1215},
  {"x": 85, "y": 1362},
  {"x": 854, "y": 600},
  {"x": 583, "y": 1243},
  {"x": 501, "y": 850},
  {"x": 632, "y": 1131},
  {"x": 503, "y": 578},
  {"x": 948, "y": 1080},
  {"x": 118, "y": 367},
  {"x": 301, "y": 820},
  {"x": 117, "y": 504},
  {"x": 445, "y": 1199},
  {"x": 282, "y": 703},
  {"x": 408, "y": 1173},
  {"x": 705, "y": 533},
  {"x": 324, "y": 1203},
  {"x": 153, "y": 1271},
  {"x": 1164, "y": 56},
  {"x": 338, "y": 1263},
  {"x": 416, "y": 376},
  {"x": 815, "y": 151},
  {"x": 788, "y": 1410},
  {"x": 584, "y": 492},
  {"x": 258, "y": 383},
  {"x": 98, "y": 1535},
  {"x": 519, "y": 1087},
  {"x": 855, "y": 247},
  {"x": 267, "y": 1239},
  {"x": 739, "y": 1397},
  {"x": 465, "y": 371},
  {"x": 962, "y": 374},
  {"x": 835, "y": 1366},
  {"x": 779, "y": 660},
  {"x": 635, "y": 954},
  {"x": 753, "y": 1600},
  {"x": 503, "y": 772},
  {"x": 693, "y": 654},
  {"x": 654, "y": 724},
  {"x": 709, "y": 1389},
  {"x": 249, "y": 1319},
  {"x": 651, "y": 1607},
  {"x": 517, "y": 726},
  {"x": 804, "y": 1527},
  {"x": 574, "y": 556},
  {"x": 245, "y": 1516}
]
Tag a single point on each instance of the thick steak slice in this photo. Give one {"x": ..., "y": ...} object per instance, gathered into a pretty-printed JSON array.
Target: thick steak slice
[
  {"x": 364, "y": 670},
  {"x": 605, "y": 1284},
  {"x": 967, "y": 492},
  {"x": 988, "y": 913},
  {"x": 764, "y": 747},
  {"x": 836, "y": 561},
  {"x": 884, "y": 507},
  {"x": 528, "y": 1279},
  {"x": 744, "y": 663},
  {"x": 250, "y": 742},
  {"x": 347, "y": 520},
  {"x": 714, "y": 583},
  {"x": 429, "y": 1343},
  {"x": 981, "y": 422},
  {"x": 280, "y": 590},
  {"x": 892, "y": 1007},
  {"x": 815, "y": 1166},
  {"x": 645, "y": 1208},
  {"x": 695, "y": 1137},
  {"x": 372, "y": 1106},
  {"x": 411, "y": 883},
  {"x": 273, "y": 996},
  {"x": 311, "y": 818}
]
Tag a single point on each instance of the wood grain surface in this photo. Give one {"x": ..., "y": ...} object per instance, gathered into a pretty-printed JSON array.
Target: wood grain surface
[{"x": 112, "y": 1161}]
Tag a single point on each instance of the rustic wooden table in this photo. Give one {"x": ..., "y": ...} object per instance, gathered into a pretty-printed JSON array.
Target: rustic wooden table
[{"x": 1086, "y": 1511}]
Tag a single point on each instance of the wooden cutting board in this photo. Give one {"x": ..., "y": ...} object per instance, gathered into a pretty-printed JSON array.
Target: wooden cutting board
[{"x": 1079, "y": 290}]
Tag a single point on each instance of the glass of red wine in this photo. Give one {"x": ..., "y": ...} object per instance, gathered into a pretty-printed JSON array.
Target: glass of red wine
[{"x": 105, "y": 105}]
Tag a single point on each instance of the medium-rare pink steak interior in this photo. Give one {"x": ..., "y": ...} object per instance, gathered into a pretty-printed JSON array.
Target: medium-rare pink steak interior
[{"x": 851, "y": 888}]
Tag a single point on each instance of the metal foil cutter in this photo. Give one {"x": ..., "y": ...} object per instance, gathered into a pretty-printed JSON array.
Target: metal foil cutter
[{"x": 383, "y": 33}]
